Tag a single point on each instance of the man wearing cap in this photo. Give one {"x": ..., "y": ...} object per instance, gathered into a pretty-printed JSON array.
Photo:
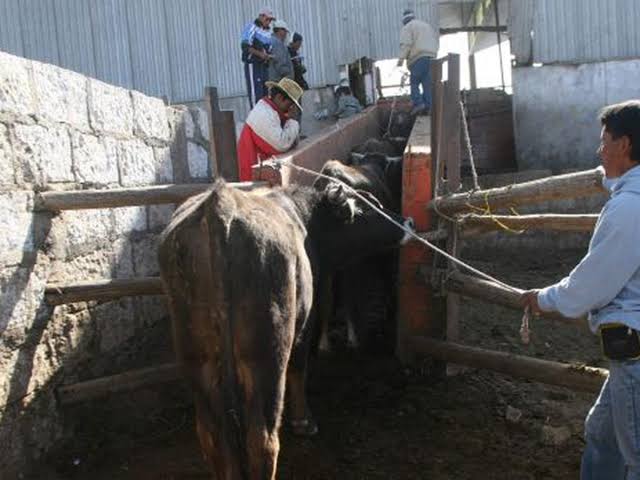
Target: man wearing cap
[
  {"x": 280, "y": 65},
  {"x": 298, "y": 68},
  {"x": 418, "y": 45},
  {"x": 271, "y": 127},
  {"x": 256, "y": 48}
]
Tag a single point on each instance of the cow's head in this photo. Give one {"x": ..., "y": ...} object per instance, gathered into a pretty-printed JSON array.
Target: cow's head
[{"x": 351, "y": 229}]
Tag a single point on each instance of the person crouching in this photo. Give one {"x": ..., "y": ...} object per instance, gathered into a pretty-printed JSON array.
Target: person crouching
[{"x": 272, "y": 126}]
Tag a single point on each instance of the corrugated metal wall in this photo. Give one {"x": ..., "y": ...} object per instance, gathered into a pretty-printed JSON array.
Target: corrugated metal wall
[
  {"x": 575, "y": 31},
  {"x": 176, "y": 47}
]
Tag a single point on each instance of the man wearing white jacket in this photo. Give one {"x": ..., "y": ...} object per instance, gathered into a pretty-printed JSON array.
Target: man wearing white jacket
[
  {"x": 418, "y": 45},
  {"x": 606, "y": 285}
]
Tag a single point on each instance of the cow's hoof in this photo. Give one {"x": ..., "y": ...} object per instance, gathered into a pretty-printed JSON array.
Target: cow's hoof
[{"x": 304, "y": 428}]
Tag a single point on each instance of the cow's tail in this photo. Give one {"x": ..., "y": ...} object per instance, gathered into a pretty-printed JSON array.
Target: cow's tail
[{"x": 214, "y": 382}]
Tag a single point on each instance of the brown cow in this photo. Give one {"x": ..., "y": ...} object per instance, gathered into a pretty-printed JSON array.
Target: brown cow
[{"x": 239, "y": 270}]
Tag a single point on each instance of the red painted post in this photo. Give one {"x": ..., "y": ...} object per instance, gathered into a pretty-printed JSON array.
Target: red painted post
[{"x": 419, "y": 313}]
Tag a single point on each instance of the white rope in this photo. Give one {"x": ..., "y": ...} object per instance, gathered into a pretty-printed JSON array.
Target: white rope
[
  {"x": 433, "y": 247},
  {"x": 467, "y": 140}
]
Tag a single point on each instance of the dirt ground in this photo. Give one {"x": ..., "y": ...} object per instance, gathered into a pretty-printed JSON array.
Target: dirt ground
[{"x": 379, "y": 420}]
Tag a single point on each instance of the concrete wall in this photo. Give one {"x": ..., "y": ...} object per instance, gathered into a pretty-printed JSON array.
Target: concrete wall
[
  {"x": 556, "y": 108},
  {"x": 60, "y": 130}
]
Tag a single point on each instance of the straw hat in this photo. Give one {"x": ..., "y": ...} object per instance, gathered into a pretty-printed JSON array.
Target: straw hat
[{"x": 289, "y": 88}]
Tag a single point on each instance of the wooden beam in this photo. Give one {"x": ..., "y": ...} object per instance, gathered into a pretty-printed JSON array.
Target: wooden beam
[
  {"x": 575, "y": 377},
  {"x": 475, "y": 287},
  {"x": 570, "y": 185},
  {"x": 547, "y": 222},
  {"x": 132, "y": 380},
  {"x": 109, "y": 289},
  {"x": 127, "y": 197}
]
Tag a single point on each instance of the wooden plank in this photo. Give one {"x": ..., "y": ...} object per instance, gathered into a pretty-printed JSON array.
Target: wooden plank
[
  {"x": 108, "y": 289},
  {"x": 575, "y": 377},
  {"x": 452, "y": 123},
  {"x": 123, "y": 382},
  {"x": 453, "y": 127},
  {"x": 491, "y": 292},
  {"x": 473, "y": 224},
  {"x": 437, "y": 98},
  {"x": 224, "y": 127},
  {"x": 558, "y": 187},
  {"x": 127, "y": 197}
]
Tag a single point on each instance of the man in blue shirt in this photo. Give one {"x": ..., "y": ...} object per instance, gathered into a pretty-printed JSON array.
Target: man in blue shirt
[
  {"x": 256, "y": 50},
  {"x": 606, "y": 285}
]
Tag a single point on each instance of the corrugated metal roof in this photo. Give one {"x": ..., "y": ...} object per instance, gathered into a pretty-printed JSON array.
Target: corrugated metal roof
[
  {"x": 10, "y": 29},
  {"x": 75, "y": 37},
  {"x": 149, "y": 47},
  {"x": 575, "y": 31},
  {"x": 175, "y": 48},
  {"x": 111, "y": 44}
]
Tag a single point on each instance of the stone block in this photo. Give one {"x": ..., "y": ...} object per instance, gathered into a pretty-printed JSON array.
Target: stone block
[
  {"x": 136, "y": 163},
  {"x": 160, "y": 216},
  {"x": 97, "y": 263},
  {"x": 7, "y": 172},
  {"x": 202, "y": 119},
  {"x": 43, "y": 153},
  {"x": 122, "y": 261},
  {"x": 22, "y": 297},
  {"x": 94, "y": 160},
  {"x": 61, "y": 95},
  {"x": 145, "y": 256},
  {"x": 87, "y": 230},
  {"x": 16, "y": 225},
  {"x": 110, "y": 109},
  {"x": 164, "y": 173},
  {"x": 150, "y": 119},
  {"x": 180, "y": 118},
  {"x": 16, "y": 96},
  {"x": 130, "y": 219},
  {"x": 150, "y": 309},
  {"x": 115, "y": 323},
  {"x": 198, "y": 159}
]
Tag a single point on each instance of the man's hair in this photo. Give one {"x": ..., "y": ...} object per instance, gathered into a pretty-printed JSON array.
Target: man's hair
[
  {"x": 623, "y": 119},
  {"x": 296, "y": 37},
  {"x": 344, "y": 90}
]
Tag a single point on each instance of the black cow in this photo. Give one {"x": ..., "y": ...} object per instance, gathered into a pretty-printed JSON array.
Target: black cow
[
  {"x": 366, "y": 291},
  {"x": 240, "y": 270}
]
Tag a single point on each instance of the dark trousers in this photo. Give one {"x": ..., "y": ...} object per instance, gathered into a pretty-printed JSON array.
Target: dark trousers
[
  {"x": 421, "y": 77},
  {"x": 255, "y": 74}
]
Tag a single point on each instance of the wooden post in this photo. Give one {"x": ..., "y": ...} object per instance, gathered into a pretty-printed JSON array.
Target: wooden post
[
  {"x": 437, "y": 99},
  {"x": 419, "y": 312},
  {"x": 222, "y": 129},
  {"x": 453, "y": 159}
]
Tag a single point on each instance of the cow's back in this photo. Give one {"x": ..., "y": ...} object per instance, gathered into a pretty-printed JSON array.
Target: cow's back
[{"x": 232, "y": 262}]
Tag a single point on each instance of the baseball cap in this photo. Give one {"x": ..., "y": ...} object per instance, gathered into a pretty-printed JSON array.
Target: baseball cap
[{"x": 267, "y": 12}]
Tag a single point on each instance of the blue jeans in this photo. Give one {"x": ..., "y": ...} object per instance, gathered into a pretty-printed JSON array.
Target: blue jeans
[
  {"x": 421, "y": 76},
  {"x": 612, "y": 428}
]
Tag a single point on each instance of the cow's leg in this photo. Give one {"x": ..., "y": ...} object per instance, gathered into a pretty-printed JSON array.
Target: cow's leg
[
  {"x": 300, "y": 418},
  {"x": 325, "y": 310}
]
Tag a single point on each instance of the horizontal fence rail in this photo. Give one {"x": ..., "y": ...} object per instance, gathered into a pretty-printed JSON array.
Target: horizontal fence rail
[
  {"x": 473, "y": 224},
  {"x": 576, "y": 377},
  {"x": 559, "y": 187},
  {"x": 123, "y": 382},
  {"x": 108, "y": 289},
  {"x": 127, "y": 197}
]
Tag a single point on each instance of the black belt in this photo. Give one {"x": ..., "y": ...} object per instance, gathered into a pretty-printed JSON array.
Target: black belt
[{"x": 619, "y": 342}]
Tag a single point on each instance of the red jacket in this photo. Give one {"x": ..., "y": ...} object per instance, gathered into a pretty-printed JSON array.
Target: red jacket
[{"x": 266, "y": 132}]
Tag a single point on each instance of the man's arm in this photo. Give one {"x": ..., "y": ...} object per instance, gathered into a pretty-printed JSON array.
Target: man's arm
[
  {"x": 604, "y": 271},
  {"x": 406, "y": 41}
]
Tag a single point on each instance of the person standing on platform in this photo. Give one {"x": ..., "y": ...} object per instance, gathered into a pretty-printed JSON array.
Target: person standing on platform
[
  {"x": 419, "y": 43},
  {"x": 256, "y": 48}
]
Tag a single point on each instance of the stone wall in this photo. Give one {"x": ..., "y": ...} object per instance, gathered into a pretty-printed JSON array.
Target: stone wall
[{"x": 59, "y": 131}]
